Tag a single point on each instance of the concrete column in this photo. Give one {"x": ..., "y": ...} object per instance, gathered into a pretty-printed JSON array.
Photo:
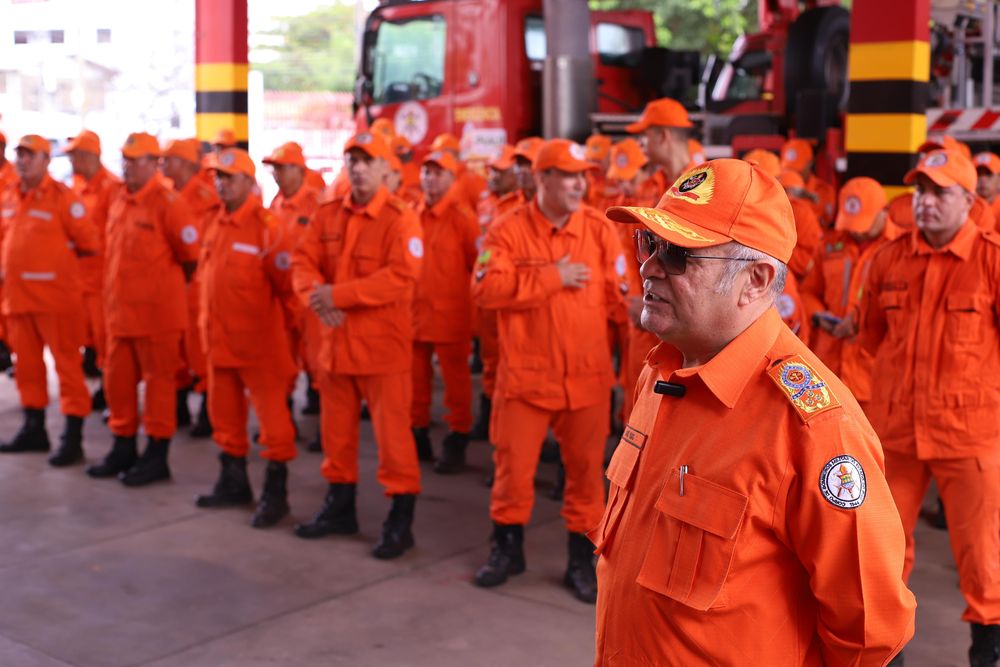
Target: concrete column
[{"x": 569, "y": 92}]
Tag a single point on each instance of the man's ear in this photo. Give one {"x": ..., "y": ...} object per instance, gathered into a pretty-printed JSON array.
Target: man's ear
[{"x": 761, "y": 276}]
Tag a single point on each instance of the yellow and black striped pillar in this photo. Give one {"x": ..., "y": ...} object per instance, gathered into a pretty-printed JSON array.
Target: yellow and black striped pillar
[
  {"x": 889, "y": 66},
  {"x": 220, "y": 79}
]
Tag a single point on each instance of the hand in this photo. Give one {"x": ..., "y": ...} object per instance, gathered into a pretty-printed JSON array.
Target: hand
[
  {"x": 334, "y": 317},
  {"x": 846, "y": 328},
  {"x": 573, "y": 274},
  {"x": 824, "y": 323},
  {"x": 321, "y": 298},
  {"x": 635, "y": 310}
]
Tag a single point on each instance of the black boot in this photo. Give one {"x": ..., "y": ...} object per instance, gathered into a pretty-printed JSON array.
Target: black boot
[
  {"x": 32, "y": 436},
  {"x": 316, "y": 444},
  {"x": 122, "y": 456},
  {"x": 985, "y": 649},
  {"x": 312, "y": 401},
  {"x": 70, "y": 444},
  {"x": 422, "y": 437},
  {"x": 97, "y": 401},
  {"x": 397, "y": 535},
  {"x": 481, "y": 429},
  {"x": 476, "y": 362},
  {"x": 936, "y": 519},
  {"x": 183, "y": 411},
  {"x": 366, "y": 415},
  {"x": 580, "y": 576},
  {"x": 90, "y": 368},
  {"x": 202, "y": 426},
  {"x": 559, "y": 485},
  {"x": 151, "y": 466},
  {"x": 506, "y": 556},
  {"x": 453, "y": 454},
  {"x": 273, "y": 504},
  {"x": 232, "y": 488},
  {"x": 338, "y": 515},
  {"x": 6, "y": 361}
]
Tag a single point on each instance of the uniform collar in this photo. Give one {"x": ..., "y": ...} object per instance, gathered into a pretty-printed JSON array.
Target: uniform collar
[
  {"x": 573, "y": 226},
  {"x": 960, "y": 246},
  {"x": 372, "y": 208},
  {"x": 40, "y": 190},
  {"x": 240, "y": 215},
  {"x": 438, "y": 209},
  {"x": 295, "y": 200},
  {"x": 144, "y": 191}
]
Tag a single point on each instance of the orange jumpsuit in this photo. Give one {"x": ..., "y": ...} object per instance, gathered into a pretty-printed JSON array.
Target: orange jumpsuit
[
  {"x": 555, "y": 368},
  {"x": 930, "y": 319},
  {"x": 245, "y": 283},
  {"x": 808, "y": 237},
  {"x": 314, "y": 179},
  {"x": 151, "y": 234},
  {"x": 371, "y": 255},
  {"x": 983, "y": 214},
  {"x": 995, "y": 208},
  {"x": 792, "y": 309},
  {"x": 43, "y": 291},
  {"x": 781, "y": 546},
  {"x": 442, "y": 311},
  {"x": 469, "y": 186},
  {"x": 8, "y": 180},
  {"x": 825, "y": 207},
  {"x": 97, "y": 194}
]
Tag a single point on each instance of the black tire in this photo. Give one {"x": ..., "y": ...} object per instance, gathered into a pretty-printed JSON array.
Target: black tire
[{"x": 816, "y": 56}]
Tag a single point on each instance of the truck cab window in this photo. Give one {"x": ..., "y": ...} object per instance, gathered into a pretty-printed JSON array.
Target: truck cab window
[
  {"x": 616, "y": 43},
  {"x": 408, "y": 60},
  {"x": 535, "y": 45}
]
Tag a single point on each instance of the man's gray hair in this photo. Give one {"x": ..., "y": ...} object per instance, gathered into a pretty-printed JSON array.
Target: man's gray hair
[{"x": 733, "y": 269}]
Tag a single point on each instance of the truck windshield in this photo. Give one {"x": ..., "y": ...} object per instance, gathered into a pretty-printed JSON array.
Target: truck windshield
[
  {"x": 743, "y": 79},
  {"x": 407, "y": 62}
]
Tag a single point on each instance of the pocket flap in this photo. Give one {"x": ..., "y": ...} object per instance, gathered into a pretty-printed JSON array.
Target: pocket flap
[
  {"x": 890, "y": 300},
  {"x": 705, "y": 505},
  {"x": 967, "y": 302},
  {"x": 623, "y": 462}
]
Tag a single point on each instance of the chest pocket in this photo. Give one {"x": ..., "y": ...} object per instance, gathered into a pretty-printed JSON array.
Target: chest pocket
[
  {"x": 367, "y": 259},
  {"x": 621, "y": 473},
  {"x": 692, "y": 545},
  {"x": 892, "y": 305},
  {"x": 964, "y": 317}
]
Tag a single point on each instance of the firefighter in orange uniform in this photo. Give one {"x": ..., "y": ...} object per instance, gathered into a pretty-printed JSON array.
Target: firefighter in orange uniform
[
  {"x": 665, "y": 126},
  {"x": 8, "y": 180},
  {"x": 45, "y": 229},
  {"x": 181, "y": 164},
  {"x": 442, "y": 311},
  {"x": 96, "y": 186},
  {"x": 598, "y": 149},
  {"x": 524, "y": 156},
  {"x": 746, "y": 465},
  {"x": 929, "y": 315},
  {"x": 797, "y": 156},
  {"x": 152, "y": 250},
  {"x": 395, "y": 182},
  {"x": 470, "y": 184},
  {"x": 356, "y": 267},
  {"x": 553, "y": 271},
  {"x": 988, "y": 181},
  {"x": 245, "y": 284},
  {"x": 808, "y": 232}
]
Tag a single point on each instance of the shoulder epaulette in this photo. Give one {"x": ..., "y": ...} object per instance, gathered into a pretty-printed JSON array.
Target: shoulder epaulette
[
  {"x": 992, "y": 236},
  {"x": 397, "y": 203},
  {"x": 804, "y": 388}
]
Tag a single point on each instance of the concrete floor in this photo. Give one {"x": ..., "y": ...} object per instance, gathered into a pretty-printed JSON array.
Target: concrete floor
[{"x": 96, "y": 575}]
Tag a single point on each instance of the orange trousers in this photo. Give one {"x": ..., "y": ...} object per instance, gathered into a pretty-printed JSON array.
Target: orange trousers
[
  {"x": 63, "y": 333},
  {"x": 227, "y": 408},
  {"x": 153, "y": 360},
  {"x": 518, "y": 431},
  {"x": 970, "y": 491},
  {"x": 635, "y": 347},
  {"x": 454, "y": 361},
  {"x": 194, "y": 365},
  {"x": 489, "y": 349},
  {"x": 388, "y": 398},
  {"x": 96, "y": 335}
]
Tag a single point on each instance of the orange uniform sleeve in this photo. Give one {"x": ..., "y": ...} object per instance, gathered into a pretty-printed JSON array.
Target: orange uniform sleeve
[
  {"x": 500, "y": 281},
  {"x": 616, "y": 282},
  {"x": 307, "y": 259},
  {"x": 813, "y": 288},
  {"x": 182, "y": 228},
  {"x": 77, "y": 224},
  {"x": 470, "y": 231},
  {"x": 872, "y": 326}
]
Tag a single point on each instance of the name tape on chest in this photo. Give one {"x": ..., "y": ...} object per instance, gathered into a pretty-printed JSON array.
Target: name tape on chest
[
  {"x": 806, "y": 389},
  {"x": 246, "y": 248}
]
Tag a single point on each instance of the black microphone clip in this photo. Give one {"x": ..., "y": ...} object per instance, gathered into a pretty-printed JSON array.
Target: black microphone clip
[{"x": 669, "y": 389}]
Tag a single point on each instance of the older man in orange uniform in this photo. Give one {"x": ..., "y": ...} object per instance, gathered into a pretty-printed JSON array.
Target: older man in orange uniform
[
  {"x": 152, "y": 249},
  {"x": 930, "y": 319},
  {"x": 442, "y": 311},
  {"x": 245, "y": 284},
  {"x": 44, "y": 229},
  {"x": 552, "y": 270},
  {"x": 356, "y": 267},
  {"x": 749, "y": 521}
]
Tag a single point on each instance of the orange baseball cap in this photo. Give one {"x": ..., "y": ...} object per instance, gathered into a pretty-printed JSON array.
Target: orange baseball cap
[
  {"x": 527, "y": 148},
  {"x": 141, "y": 144},
  {"x": 988, "y": 161},
  {"x": 945, "y": 168},
  {"x": 767, "y": 160},
  {"x": 946, "y": 142},
  {"x": 287, "y": 153},
  {"x": 901, "y": 211},
  {"x": 185, "y": 149},
  {"x": 860, "y": 201},
  {"x": 224, "y": 138},
  {"x": 371, "y": 144},
  {"x": 791, "y": 179},
  {"x": 731, "y": 200},
  {"x": 664, "y": 112},
  {"x": 627, "y": 159},
  {"x": 400, "y": 145},
  {"x": 384, "y": 127},
  {"x": 505, "y": 160},
  {"x": 696, "y": 151},
  {"x": 443, "y": 159},
  {"x": 234, "y": 161},
  {"x": 562, "y": 154},
  {"x": 598, "y": 146},
  {"x": 35, "y": 143},
  {"x": 446, "y": 142},
  {"x": 86, "y": 141},
  {"x": 796, "y": 154}
]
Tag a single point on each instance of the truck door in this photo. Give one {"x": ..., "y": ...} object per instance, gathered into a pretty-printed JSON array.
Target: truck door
[{"x": 617, "y": 40}]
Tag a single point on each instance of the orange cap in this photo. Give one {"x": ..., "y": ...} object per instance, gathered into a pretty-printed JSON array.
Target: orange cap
[
  {"x": 767, "y": 160},
  {"x": 860, "y": 201},
  {"x": 664, "y": 112},
  {"x": 140, "y": 144},
  {"x": 505, "y": 160},
  {"x": 732, "y": 200},
  {"x": 234, "y": 161},
  {"x": 86, "y": 141},
  {"x": 796, "y": 154},
  {"x": 562, "y": 154},
  {"x": 901, "y": 211},
  {"x": 287, "y": 153},
  {"x": 598, "y": 146},
  {"x": 400, "y": 145},
  {"x": 445, "y": 142},
  {"x": 185, "y": 149},
  {"x": 443, "y": 159},
  {"x": 35, "y": 143},
  {"x": 988, "y": 161},
  {"x": 945, "y": 142},
  {"x": 627, "y": 159},
  {"x": 527, "y": 148},
  {"x": 945, "y": 168},
  {"x": 791, "y": 179},
  {"x": 224, "y": 138},
  {"x": 696, "y": 151},
  {"x": 384, "y": 127},
  {"x": 372, "y": 144}
]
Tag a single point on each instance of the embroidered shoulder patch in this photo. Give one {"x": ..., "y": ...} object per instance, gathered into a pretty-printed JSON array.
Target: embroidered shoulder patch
[
  {"x": 804, "y": 387},
  {"x": 843, "y": 482}
]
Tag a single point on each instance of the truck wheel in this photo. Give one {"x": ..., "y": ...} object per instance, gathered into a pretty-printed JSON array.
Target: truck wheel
[{"x": 816, "y": 56}]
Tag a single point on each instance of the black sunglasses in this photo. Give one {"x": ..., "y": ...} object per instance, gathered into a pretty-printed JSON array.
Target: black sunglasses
[{"x": 673, "y": 258}]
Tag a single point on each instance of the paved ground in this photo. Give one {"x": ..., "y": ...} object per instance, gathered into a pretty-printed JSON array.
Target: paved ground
[{"x": 94, "y": 574}]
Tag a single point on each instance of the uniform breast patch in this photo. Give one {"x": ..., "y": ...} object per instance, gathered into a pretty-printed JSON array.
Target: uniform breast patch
[
  {"x": 843, "y": 483},
  {"x": 803, "y": 386}
]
